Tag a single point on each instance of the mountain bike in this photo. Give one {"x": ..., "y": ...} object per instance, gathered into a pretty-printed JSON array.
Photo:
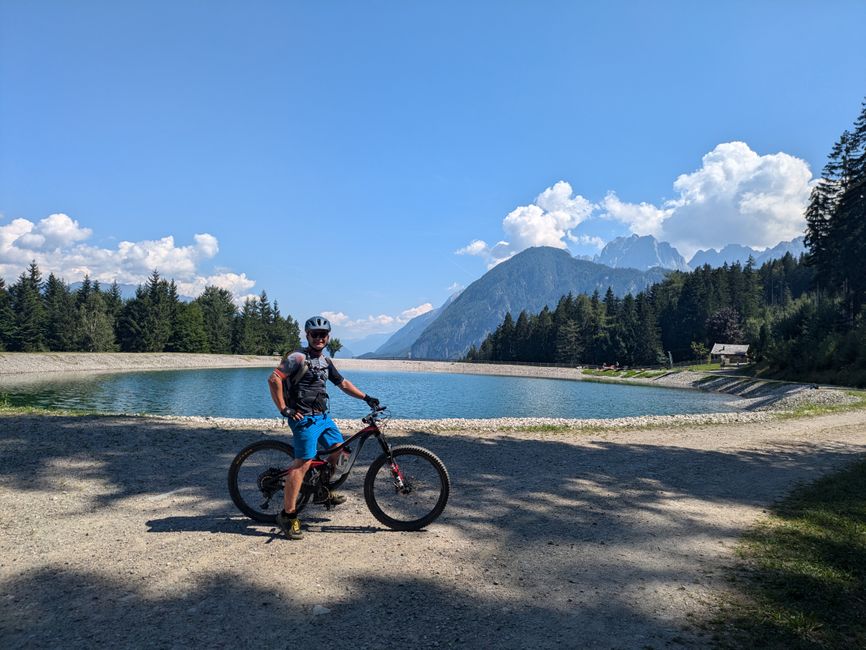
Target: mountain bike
[{"x": 406, "y": 487}]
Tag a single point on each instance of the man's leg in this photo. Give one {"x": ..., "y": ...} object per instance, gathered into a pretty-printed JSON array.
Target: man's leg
[
  {"x": 331, "y": 437},
  {"x": 292, "y": 486},
  {"x": 287, "y": 520}
]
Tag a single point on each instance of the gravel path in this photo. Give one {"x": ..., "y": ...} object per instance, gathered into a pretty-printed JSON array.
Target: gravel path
[
  {"x": 117, "y": 531},
  {"x": 590, "y": 533}
]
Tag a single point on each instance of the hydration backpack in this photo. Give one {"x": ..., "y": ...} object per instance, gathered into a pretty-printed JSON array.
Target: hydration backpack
[{"x": 292, "y": 386}]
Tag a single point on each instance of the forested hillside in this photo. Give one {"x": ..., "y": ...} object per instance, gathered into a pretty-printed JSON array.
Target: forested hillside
[
  {"x": 804, "y": 319},
  {"x": 37, "y": 315},
  {"x": 683, "y": 315}
]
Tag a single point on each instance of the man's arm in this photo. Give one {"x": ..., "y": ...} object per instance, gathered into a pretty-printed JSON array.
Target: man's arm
[
  {"x": 350, "y": 389},
  {"x": 275, "y": 384}
]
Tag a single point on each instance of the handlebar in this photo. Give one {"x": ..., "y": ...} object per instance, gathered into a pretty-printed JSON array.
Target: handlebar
[{"x": 375, "y": 414}]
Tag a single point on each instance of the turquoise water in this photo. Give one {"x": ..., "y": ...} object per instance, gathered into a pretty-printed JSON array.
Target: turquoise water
[{"x": 243, "y": 393}]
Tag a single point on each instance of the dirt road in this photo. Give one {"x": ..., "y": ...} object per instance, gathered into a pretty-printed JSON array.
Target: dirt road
[{"x": 118, "y": 531}]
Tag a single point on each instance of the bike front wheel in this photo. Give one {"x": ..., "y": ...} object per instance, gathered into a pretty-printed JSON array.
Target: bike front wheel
[
  {"x": 409, "y": 492},
  {"x": 256, "y": 478}
]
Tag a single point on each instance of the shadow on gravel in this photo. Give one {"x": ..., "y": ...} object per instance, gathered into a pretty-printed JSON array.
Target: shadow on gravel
[
  {"x": 243, "y": 526},
  {"x": 48, "y": 608},
  {"x": 565, "y": 541}
]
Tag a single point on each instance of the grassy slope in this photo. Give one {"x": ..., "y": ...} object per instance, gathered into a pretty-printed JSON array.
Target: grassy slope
[{"x": 802, "y": 583}]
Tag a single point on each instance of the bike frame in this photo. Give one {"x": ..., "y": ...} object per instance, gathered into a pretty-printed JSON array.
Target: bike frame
[{"x": 371, "y": 430}]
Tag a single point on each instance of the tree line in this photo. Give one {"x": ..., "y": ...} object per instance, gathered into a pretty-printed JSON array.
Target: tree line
[
  {"x": 803, "y": 318},
  {"x": 37, "y": 315},
  {"x": 683, "y": 315}
]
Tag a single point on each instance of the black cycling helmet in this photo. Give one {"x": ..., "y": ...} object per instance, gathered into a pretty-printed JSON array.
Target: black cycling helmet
[{"x": 317, "y": 323}]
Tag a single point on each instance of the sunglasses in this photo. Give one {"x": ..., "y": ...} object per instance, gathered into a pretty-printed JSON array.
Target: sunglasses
[{"x": 319, "y": 335}]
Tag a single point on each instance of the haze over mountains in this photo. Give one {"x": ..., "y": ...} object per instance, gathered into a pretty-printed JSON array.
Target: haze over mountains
[{"x": 539, "y": 277}]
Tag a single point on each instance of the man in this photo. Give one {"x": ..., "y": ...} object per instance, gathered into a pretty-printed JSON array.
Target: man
[{"x": 307, "y": 412}]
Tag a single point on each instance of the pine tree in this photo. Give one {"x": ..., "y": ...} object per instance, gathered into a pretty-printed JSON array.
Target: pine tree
[
  {"x": 94, "y": 329},
  {"x": 160, "y": 307},
  {"x": 59, "y": 315},
  {"x": 647, "y": 348},
  {"x": 29, "y": 313},
  {"x": 219, "y": 312},
  {"x": 7, "y": 317},
  {"x": 113, "y": 304},
  {"x": 189, "y": 333},
  {"x": 568, "y": 348},
  {"x": 132, "y": 322},
  {"x": 849, "y": 219}
]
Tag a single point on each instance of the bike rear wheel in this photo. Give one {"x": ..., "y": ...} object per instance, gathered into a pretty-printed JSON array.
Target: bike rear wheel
[
  {"x": 422, "y": 497},
  {"x": 256, "y": 479}
]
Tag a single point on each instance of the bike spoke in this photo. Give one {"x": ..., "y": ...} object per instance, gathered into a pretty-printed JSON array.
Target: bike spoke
[
  {"x": 260, "y": 481},
  {"x": 415, "y": 496}
]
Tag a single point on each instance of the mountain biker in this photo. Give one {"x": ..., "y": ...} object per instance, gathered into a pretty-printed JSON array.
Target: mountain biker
[{"x": 307, "y": 413}]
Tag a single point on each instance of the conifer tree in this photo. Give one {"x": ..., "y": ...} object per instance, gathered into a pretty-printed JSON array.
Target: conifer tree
[
  {"x": 132, "y": 322},
  {"x": 7, "y": 317},
  {"x": 29, "y": 313},
  {"x": 160, "y": 306},
  {"x": 59, "y": 315},
  {"x": 94, "y": 329},
  {"x": 218, "y": 312},
  {"x": 188, "y": 334},
  {"x": 568, "y": 347}
]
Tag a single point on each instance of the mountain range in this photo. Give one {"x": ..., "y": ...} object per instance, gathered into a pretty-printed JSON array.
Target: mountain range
[
  {"x": 531, "y": 280},
  {"x": 647, "y": 252},
  {"x": 642, "y": 253},
  {"x": 738, "y": 253},
  {"x": 541, "y": 276}
]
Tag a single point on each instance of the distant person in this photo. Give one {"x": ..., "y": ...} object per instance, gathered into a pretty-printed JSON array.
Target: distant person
[{"x": 305, "y": 403}]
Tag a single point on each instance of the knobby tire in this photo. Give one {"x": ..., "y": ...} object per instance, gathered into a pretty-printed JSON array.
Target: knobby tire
[
  {"x": 427, "y": 478},
  {"x": 247, "y": 498}
]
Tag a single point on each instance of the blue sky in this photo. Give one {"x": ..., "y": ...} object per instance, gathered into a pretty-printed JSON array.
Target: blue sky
[{"x": 364, "y": 159}]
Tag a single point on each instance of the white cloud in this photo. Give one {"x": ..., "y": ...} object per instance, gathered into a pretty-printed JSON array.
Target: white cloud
[
  {"x": 588, "y": 240},
  {"x": 379, "y": 324},
  {"x": 641, "y": 218},
  {"x": 57, "y": 245},
  {"x": 237, "y": 284},
  {"x": 454, "y": 288},
  {"x": 336, "y": 318},
  {"x": 737, "y": 196},
  {"x": 409, "y": 314},
  {"x": 546, "y": 222}
]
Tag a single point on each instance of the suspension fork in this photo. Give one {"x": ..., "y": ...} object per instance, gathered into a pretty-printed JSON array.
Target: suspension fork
[{"x": 396, "y": 472}]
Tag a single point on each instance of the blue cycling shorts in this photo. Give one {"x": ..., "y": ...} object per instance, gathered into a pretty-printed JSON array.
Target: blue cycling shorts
[{"x": 312, "y": 430}]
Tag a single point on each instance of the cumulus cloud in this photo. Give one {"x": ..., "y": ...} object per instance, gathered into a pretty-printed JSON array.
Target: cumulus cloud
[
  {"x": 409, "y": 314},
  {"x": 237, "y": 284},
  {"x": 737, "y": 196},
  {"x": 588, "y": 240},
  {"x": 548, "y": 221},
  {"x": 378, "y": 324},
  {"x": 57, "y": 244},
  {"x": 641, "y": 218}
]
